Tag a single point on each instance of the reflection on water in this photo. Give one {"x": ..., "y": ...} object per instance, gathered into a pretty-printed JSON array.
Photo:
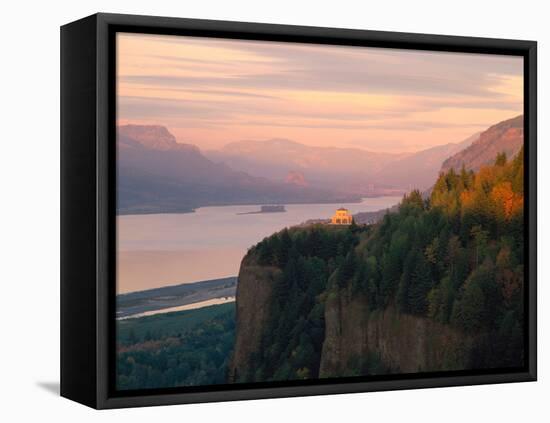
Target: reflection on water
[
  {"x": 166, "y": 249},
  {"x": 200, "y": 304}
]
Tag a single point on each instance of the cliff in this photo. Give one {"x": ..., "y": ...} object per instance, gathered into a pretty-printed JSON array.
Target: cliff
[
  {"x": 363, "y": 341},
  {"x": 357, "y": 340},
  {"x": 254, "y": 292}
]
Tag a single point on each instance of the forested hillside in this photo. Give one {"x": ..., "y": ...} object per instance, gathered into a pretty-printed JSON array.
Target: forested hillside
[
  {"x": 450, "y": 267},
  {"x": 185, "y": 348}
]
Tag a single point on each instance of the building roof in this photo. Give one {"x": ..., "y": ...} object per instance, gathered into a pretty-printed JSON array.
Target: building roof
[{"x": 342, "y": 209}]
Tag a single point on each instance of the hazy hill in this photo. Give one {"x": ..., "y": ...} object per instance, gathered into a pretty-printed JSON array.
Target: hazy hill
[
  {"x": 158, "y": 174},
  {"x": 321, "y": 166},
  {"x": 419, "y": 170},
  {"x": 356, "y": 170},
  {"x": 506, "y": 136},
  {"x": 154, "y": 137}
]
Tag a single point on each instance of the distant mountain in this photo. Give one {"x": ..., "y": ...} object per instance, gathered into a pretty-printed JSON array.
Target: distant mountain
[
  {"x": 296, "y": 178},
  {"x": 352, "y": 169},
  {"x": 321, "y": 166},
  {"x": 154, "y": 137},
  {"x": 506, "y": 136},
  {"x": 419, "y": 170},
  {"x": 156, "y": 174}
]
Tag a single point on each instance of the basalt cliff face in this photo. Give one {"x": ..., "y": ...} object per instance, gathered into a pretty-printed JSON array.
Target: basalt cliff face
[
  {"x": 254, "y": 292},
  {"x": 356, "y": 340},
  {"x": 401, "y": 343}
]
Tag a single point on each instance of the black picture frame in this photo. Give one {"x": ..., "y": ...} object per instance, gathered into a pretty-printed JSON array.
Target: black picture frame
[{"x": 88, "y": 176}]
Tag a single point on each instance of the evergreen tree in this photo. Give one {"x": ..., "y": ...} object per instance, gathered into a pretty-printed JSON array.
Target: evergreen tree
[
  {"x": 420, "y": 286},
  {"x": 501, "y": 159},
  {"x": 285, "y": 243}
]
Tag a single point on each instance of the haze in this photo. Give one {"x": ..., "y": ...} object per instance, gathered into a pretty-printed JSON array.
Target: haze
[{"x": 210, "y": 92}]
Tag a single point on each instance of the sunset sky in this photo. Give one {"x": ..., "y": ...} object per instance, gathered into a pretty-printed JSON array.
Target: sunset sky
[{"x": 210, "y": 92}]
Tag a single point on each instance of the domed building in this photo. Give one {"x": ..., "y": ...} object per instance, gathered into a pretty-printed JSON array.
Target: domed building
[{"x": 341, "y": 217}]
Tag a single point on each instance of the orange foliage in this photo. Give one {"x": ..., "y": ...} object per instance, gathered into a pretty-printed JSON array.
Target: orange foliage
[
  {"x": 485, "y": 177},
  {"x": 506, "y": 199},
  {"x": 467, "y": 199},
  {"x": 495, "y": 190}
]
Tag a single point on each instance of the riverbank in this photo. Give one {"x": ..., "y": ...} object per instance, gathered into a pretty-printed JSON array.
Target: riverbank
[{"x": 175, "y": 298}]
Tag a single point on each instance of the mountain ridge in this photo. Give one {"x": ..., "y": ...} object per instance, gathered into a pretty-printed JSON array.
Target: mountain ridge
[
  {"x": 155, "y": 137},
  {"x": 361, "y": 171},
  {"x": 158, "y": 175},
  {"x": 505, "y": 136},
  {"x": 331, "y": 167}
]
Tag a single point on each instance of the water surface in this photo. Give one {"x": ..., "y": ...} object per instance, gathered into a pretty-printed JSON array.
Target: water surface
[
  {"x": 193, "y": 306},
  {"x": 156, "y": 250}
]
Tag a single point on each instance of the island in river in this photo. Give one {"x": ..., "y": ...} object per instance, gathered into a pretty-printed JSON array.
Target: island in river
[{"x": 267, "y": 209}]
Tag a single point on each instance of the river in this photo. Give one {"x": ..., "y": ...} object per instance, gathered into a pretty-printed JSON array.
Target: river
[{"x": 157, "y": 250}]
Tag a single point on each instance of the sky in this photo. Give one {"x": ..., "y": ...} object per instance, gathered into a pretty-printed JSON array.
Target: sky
[{"x": 210, "y": 92}]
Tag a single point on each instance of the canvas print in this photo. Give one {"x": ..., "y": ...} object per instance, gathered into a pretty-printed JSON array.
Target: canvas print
[{"x": 290, "y": 212}]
